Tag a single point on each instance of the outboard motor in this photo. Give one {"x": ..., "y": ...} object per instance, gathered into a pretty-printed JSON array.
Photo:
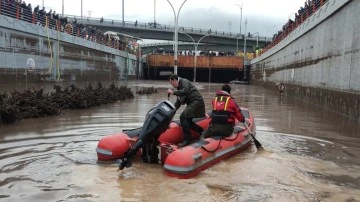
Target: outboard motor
[{"x": 156, "y": 122}]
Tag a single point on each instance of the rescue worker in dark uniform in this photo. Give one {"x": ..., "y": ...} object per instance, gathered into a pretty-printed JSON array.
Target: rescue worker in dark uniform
[
  {"x": 187, "y": 94},
  {"x": 225, "y": 111}
]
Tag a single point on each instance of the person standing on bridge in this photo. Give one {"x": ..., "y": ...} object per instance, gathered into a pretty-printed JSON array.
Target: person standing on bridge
[
  {"x": 187, "y": 94},
  {"x": 225, "y": 111}
]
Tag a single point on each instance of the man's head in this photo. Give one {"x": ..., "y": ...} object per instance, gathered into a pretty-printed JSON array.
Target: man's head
[
  {"x": 226, "y": 88},
  {"x": 174, "y": 80}
]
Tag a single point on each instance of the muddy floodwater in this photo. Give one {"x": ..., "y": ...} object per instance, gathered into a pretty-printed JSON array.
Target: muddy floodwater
[{"x": 310, "y": 154}]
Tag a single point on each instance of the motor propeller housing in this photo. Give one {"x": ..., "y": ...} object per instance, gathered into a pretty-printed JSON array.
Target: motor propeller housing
[{"x": 156, "y": 122}]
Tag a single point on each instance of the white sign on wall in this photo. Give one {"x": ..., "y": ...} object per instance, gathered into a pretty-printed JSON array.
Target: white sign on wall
[{"x": 30, "y": 64}]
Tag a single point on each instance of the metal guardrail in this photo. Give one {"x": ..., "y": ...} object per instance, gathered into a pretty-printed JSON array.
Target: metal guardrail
[
  {"x": 24, "y": 13},
  {"x": 166, "y": 43},
  {"x": 303, "y": 14},
  {"x": 162, "y": 27},
  {"x": 21, "y": 12}
]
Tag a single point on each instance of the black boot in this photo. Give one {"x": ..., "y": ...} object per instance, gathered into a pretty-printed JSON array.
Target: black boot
[
  {"x": 187, "y": 139},
  {"x": 195, "y": 127},
  {"x": 185, "y": 124},
  {"x": 184, "y": 143}
]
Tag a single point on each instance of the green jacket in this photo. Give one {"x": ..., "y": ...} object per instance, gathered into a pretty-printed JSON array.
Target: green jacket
[{"x": 188, "y": 94}]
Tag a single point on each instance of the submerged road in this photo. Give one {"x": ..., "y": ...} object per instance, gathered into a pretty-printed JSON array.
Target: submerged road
[{"x": 310, "y": 155}]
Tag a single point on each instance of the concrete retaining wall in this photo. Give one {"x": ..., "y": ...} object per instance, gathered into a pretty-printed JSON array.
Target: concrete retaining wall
[
  {"x": 319, "y": 61},
  {"x": 58, "y": 56}
]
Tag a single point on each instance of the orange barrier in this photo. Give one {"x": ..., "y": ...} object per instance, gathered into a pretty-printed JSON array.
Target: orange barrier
[{"x": 232, "y": 62}]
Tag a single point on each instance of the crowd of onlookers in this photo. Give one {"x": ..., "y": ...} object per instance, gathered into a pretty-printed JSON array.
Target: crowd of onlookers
[
  {"x": 310, "y": 6},
  {"x": 192, "y": 53},
  {"x": 20, "y": 10}
]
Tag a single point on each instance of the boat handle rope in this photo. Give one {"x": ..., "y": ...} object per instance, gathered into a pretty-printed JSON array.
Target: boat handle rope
[{"x": 212, "y": 151}]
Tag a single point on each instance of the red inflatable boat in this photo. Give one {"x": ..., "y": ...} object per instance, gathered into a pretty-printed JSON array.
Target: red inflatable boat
[
  {"x": 189, "y": 161},
  {"x": 157, "y": 141}
]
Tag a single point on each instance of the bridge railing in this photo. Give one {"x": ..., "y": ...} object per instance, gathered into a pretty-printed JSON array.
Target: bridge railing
[
  {"x": 151, "y": 25},
  {"x": 303, "y": 14},
  {"x": 24, "y": 13}
]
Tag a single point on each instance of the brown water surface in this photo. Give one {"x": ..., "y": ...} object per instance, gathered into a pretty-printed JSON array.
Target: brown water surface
[{"x": 310, "y": 155}]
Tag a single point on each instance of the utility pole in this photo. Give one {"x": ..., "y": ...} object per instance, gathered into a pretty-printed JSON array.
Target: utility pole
[
  {"x": 176, "y": 19},
  {"x": 123, "y": 12},
  {"x": 245, "y": 70},
  {"x": 81, "y": 9},
  {"x": 237, "y": 41},
  {"x": 154, "y": 12}
]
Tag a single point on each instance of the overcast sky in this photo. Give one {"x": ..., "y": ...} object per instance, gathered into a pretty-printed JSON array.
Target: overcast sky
[{"x": 263, "y": 16}]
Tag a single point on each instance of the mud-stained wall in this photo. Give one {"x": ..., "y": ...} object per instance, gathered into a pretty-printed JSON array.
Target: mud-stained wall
[
  {"x": 318, "y": 62},
  {"x": 35, "y": 53},
  {"x": 217, "y": 62}
]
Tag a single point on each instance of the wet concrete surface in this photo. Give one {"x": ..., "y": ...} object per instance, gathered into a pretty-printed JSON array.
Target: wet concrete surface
[{"x": 310, "y": 154}]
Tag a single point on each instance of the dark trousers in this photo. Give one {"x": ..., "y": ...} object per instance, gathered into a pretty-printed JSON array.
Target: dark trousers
[
  {"x": 187, "y": 124},
  {"x": 219, "y": 130}
]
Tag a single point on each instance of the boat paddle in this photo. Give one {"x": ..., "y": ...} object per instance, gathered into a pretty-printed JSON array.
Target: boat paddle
[{"x": 257, "y": 143}]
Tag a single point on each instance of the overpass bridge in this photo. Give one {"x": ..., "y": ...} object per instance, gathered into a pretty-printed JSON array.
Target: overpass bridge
[
  {"x": 219, "y": 40},
  {"x": 190, "y": 46}
]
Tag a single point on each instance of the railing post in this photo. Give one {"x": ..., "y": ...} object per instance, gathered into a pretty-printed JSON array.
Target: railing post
[
  {"x": 307, "y": 12},
  {"x": 313, "y": 7},
  {"x": 33, "y": 18},
  {"x": 58, "y": 25},
  {"x": 17, "y": 12}
]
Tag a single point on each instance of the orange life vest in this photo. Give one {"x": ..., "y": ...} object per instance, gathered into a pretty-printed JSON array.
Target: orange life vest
[{"x": 220, "y": 113}]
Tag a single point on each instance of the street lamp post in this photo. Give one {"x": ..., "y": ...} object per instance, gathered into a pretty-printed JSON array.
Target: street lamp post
[
  {"x": 176, "y": 19},
  {"x": 245, "y": 76},
  {"x": 196, "y": 46},
  {"x": 123, "y": 12},
  {"x": 245, "y": 38},
  {"x": 62, "y": 8},
  {"x": 195, "y": 57},
  {"x": 81, "y": 9},
  {"x": 237, "y": 40}
]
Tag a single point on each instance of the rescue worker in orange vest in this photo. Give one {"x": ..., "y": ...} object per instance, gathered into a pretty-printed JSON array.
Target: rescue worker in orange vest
[{"x": 225, "y": 111}]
